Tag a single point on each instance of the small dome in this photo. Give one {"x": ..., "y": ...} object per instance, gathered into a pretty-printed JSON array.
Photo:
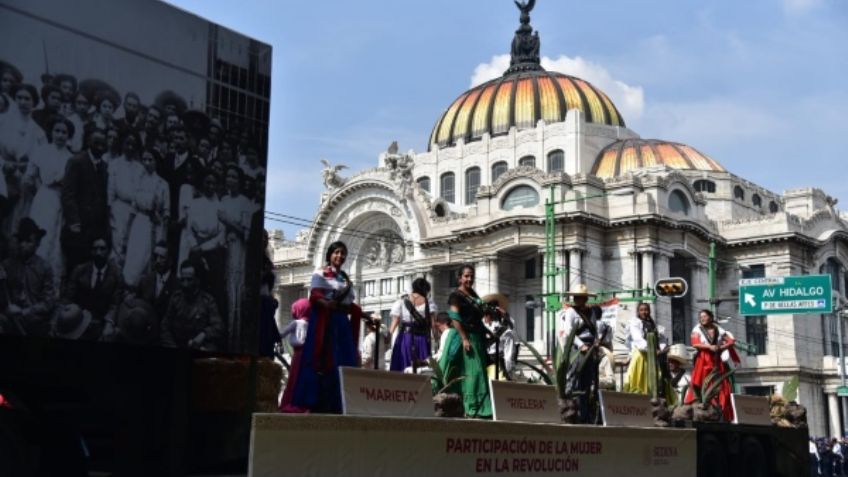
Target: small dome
[
  {"x": 521, "y": 99},
  {"x": 621, "y": 157}
]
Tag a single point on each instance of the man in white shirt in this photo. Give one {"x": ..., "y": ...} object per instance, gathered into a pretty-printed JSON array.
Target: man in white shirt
[{"x": 368, "y": 348}]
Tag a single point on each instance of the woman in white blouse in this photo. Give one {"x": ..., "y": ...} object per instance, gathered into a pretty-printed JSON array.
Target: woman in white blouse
[
  {"x": 296, "y": 331},
  {"x": 413, "y": 314},
  {"x": 148, "y": 218},
  {"x": 637, "y": 341},
  {"x": 45, "y": 174}
]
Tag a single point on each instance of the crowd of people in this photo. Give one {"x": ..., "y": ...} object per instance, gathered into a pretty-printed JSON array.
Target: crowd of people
[
  {"x": 476, "y": 335},
  {"x": 828, "y": 457},
  {"x": 123, "y": 221}
]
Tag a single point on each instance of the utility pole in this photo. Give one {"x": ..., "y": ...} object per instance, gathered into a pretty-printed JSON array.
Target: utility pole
[{"x": 551, "y": 301}]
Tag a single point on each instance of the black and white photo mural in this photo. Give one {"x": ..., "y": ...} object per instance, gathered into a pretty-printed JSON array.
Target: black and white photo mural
[{"x": 133, "y": 141}]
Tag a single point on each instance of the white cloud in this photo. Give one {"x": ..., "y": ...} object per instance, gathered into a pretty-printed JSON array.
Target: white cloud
[
  {"x": 491, "y": 70},
  {"x": 800, "y": 6},
  {"x": 709, "y": 122},
  {"x": 630, "y": 100}
]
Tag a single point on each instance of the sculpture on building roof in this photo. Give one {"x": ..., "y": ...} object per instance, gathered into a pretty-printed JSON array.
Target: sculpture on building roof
[
  {"x": 330, "y": 174},
  {"x": 400, "y": 168},
  {"x": 525, "y": 43}
]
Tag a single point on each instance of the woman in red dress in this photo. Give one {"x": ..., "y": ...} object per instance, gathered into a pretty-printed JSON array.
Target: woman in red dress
[{"x": 714, "y": 349}]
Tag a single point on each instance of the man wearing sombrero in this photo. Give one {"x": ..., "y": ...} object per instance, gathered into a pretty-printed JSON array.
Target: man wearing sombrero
[
  {"x": 29, "y": 285},
  {"x": 590, "y": 334}
]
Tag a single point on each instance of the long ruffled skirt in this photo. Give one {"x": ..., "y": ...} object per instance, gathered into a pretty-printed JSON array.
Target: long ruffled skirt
[
  {"x": 318, "y": 388},
  {"x": 402, "y": 350},
  {"x": 475, "y": 385}
]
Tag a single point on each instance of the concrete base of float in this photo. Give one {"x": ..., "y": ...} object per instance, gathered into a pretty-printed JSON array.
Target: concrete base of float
[{"x": 322, "y": 445}]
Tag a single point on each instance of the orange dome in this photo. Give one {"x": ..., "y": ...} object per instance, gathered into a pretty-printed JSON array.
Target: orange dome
[
  {"x": 621, "y": 157},
  {"x": 521, "y": 99}
]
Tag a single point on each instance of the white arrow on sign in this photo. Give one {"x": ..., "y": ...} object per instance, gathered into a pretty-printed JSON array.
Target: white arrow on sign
[{"x": 749, "y": 299}]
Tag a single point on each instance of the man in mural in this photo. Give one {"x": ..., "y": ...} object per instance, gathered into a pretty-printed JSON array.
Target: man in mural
[
  {"x": 84, "y": 200},
  {"x": 97, "y": 287},
  {"x": 29, "y": 288},
  {"x": 192, "y": 319}
]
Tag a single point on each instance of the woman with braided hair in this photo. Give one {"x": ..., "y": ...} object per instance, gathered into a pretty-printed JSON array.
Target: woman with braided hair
[
  {"x": 466, "y": 313},
  {"x": 637, "y": 342},
  {"x": 414, "y": 314},
  {"x": 331, "y": 338}
]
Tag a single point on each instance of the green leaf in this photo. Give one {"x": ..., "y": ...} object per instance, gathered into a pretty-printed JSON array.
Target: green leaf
[
  {"x": 438, "y": 375},
  {"x": 651, "y": 358},
  {"x": 539, "y": 358},
  {"x": 567, "y": 357},
  {"x": 544, "y": 375},
  {"x": 715, "y": 386},
  {"x": 790, "y": 389}
]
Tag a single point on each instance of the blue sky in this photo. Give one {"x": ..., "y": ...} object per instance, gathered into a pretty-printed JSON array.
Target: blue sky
[{"x": 759, "y": 85}]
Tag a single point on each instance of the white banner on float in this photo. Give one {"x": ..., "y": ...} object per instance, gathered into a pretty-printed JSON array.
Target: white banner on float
[
  {"x": 305, "y": 445},
  {"x": 367, "y": 392},
  {"x": 524, "y": 402},
  {"x": 751, "y": 410},
  {"x": 626, "y": 409}
]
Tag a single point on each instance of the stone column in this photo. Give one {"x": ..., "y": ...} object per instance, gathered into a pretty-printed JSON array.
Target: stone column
[
  {"x": 833, "y": 410},
  {"x": 561, "y": 264},
  {"x": 647, "y": 278},
  {"x": 575, "y": 261},
  {"x": 662, "y": 307},
  {"x": 493, "y": 275}
]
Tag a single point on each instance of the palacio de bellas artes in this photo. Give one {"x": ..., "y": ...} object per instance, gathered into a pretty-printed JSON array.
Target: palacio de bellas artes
[{"x": 627, "y": 211}]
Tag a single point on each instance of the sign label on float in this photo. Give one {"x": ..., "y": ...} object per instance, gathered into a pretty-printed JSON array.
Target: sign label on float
[{"x": 790, "y": 295}]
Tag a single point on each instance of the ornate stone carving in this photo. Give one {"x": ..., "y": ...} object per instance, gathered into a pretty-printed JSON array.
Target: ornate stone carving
[
  {"x": 330, "y": 175},
  {"x": 385, "y": 250}
]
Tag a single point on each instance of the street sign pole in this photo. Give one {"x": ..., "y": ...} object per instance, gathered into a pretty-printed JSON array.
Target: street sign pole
[{"x": 712, "y": 277}]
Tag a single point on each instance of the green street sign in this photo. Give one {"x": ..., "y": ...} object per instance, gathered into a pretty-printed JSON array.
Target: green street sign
[
  {"x": 785, "y": 295},
  {"x": 842, "y": 391}
]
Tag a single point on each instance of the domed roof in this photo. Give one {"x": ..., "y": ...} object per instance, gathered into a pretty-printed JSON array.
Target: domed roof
[
  {"x": 627, "y": 155},
  {"x": 520, "y": 99},
  {"x": 525, "y": 94}
]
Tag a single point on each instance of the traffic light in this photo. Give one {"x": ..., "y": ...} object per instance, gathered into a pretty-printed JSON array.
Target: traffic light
[{"x": 674, "y": 287}]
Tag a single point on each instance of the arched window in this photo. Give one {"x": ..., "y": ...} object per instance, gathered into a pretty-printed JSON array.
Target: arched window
[
  {"x": 703, "y": 185},
  {"x": 472, "y": 183},
  {"x": 447, "y": 187},
  {"x": 678, "y": 202},
  {"x": 527, "y": 161},
  {"x": 520, "y": 196},
  {"x": 773, "y": 207},
  {"x": 757, "y": 200},
  {"x": 424, "y": 183},
  {"x": 498, "y": 169},
  {"x": 556, "y": 161},
  {"x": 738, "y": 193}
]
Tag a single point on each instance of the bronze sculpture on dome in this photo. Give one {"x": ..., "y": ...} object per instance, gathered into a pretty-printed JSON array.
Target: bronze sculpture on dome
[{"x": 525, "y": 43}]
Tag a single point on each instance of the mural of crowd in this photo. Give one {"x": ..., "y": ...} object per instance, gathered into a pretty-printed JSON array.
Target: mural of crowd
[{"x": 122, "y": 221}]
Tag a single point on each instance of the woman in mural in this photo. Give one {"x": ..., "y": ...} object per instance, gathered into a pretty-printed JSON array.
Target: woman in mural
[
  {"x": 466, "y": 312},
  {"x": 332, "y": 336},
  {"x": 414, "y": 314},
  {"x": 19, "y": 136},
  {"x": 125, "y": 172},
  {"x": 637, "y": 341},
  {"x": 234, "y": 214},
  {"x": 148, "y": 219},
  {"x": 714, "y": 352},
  {"x": 45, "y": 174},
  {"x": 204, "y": 235}
]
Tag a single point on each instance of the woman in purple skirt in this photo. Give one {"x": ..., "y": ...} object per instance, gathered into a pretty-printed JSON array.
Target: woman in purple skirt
[{"x": 414, "y": 314}]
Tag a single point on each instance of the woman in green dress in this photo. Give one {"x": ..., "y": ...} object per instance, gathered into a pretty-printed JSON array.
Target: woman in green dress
[{"x": 466, "y": 313}]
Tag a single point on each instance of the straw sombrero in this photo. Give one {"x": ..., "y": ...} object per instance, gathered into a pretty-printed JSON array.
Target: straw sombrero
[
  {"x": 503, "y": 302},
  {"x": 580, "y": 290}
]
